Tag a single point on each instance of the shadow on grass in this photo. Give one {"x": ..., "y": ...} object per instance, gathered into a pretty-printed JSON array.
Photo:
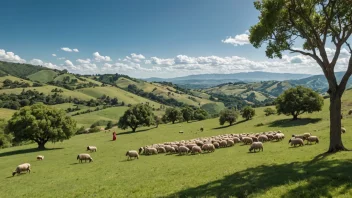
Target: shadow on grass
[
  {"x": 138, "y": 131},
  {"x": 24, "y": 151},
  {"x": 222, "y": 127},
  {"x": 292, "y": 123},
  {"x": 317, "y": 179}
]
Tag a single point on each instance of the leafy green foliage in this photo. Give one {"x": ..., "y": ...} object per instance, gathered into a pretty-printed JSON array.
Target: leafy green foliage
[
  {"x": 172, "y": 115},
  {"x": 296, "y": 101},
  {"x": 5, "y": 138},
  {"x": 109, "y": 125},
  {"x": 187, "y": 113},
  {"x": 18, "y": 69},
  {"x": 9, "y": 84},
  {"x": 269, "y": 111},
  {"x": 200, "y": 114},
  {"x": 136, "y": 116},
  {"x": 41, "y": 124},
  {"x": 248, "y": 112},
  {"x": 228, "y": 115}
]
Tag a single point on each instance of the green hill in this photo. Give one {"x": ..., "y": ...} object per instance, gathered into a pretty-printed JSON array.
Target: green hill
[
  {"x": 43, "y": 76},
  {"x": 18, "y": 69},
  {"x": 279, "y": 171}
]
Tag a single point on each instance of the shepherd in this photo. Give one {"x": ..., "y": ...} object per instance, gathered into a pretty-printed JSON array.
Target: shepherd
[{"x": 114, "y": 136}]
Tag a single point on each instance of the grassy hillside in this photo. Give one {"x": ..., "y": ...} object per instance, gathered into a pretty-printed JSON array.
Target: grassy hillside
[
  {"x": 18, "y": 69},
  {"x": 278, "y": 171},
  {"x": 43, "y": 76},
  {"x": 47, "y": 90},
  {"x": 6, "y": 113},
  {"x": 164, "y": 91},
  {"x": 13, "y": 78}
]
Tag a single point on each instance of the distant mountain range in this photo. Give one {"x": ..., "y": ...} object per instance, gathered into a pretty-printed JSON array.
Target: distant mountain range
[{"x": 209, "y": 80}]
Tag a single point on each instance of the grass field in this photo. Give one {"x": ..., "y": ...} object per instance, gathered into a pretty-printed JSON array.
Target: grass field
[
  {"x": 6, "y": 113},
  {"x": 43, "y": 76},
  {"x": 279, "y": 171},
  {"x": 13, "y": 78}
]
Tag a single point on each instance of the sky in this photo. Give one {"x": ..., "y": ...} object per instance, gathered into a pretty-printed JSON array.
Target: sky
[{"x": 154, "y": 38}]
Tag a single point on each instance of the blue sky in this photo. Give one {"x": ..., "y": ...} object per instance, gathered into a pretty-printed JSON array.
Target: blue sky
[{"x": 158, "y": 38}]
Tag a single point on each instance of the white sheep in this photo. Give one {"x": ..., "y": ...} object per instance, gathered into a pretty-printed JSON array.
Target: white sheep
[
  {"x": 183, "y": 150},
  {"x": 161, "y": 150},
  {"x": 311, "y": 139},
  {"x": 141, "y": 150},
  {"x": 131, "y": 154},
  {"x": 262, "y": 138},
  {"x": 343, "y": 130},
  {"x": 21, "y": 168},
  {"x": 196, "y": 149},
  {"x": 40, "y": 157},
  {"x": 236, "y": 140},
  {"x": 255, "y": 146},
  {"x": 151, "y": 151},
  {"x": 247, "y": 140},
  {"x": 92, "y": 148},
  {"x": 306, "y": 135},
  {"x": 223, "y": 144},
  {"x": 296, "y": 141},
  {"x": 230, "y": 143},
  {"x": 85, "y": 157}
]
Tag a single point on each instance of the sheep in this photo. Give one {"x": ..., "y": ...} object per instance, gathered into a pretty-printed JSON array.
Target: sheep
[
  {"x": 190, "y": 146},
  {"x": 247, "y": 140},
  {"x": 297, "y": 141},
  {"x": 313, "y": 139},
  {"x": 131, "y": 154},
  {"x": 175, "y": 147},
  {"x": 201, "y": 129},
  {"x": 172, "y": 150},
  {"x": 255, "y": 139},
  {"x": 92, "y": 148},
  {"x": 230, "y": 143},
  {"x": 303, "y": 137},
  {"x": 168, "y": 148},
  {"x": 350, "y": 112},
  {"x": 196, "y": 149},
  {"x": 40, "y": 157},
  {"x": 223, "y": 144},
  {"x": 262, "y": 138},
  {"x": 141, "y": 150},
  {"x": 236, "y": 140},
  {"x": 21, "y": 168},
  {"x": 277, "y": 137},
  {"x": 343, "y": 130},
  {"x": 183, "y": 150},
  {"x": 270, "y": 136},
  {"x": 216, "y": 144},
  {"x": 255, "y": 146},
  {"x": 84, "y": 157},
  {"x": 151, "y": 151},
  {"x": 161, "y": 150},
  {"x": 306, "y": 135},
  {"x": 199, "y": 143}
]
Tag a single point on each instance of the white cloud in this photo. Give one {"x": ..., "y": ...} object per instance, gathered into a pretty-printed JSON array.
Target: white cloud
[
  {"x": 68, "y": 63},
  {"x": 36, "y": 62},
  {"x": 137, "y": 56},
  {"x": 10, "y": 57},
  {"x": 66, "y": 49},
  {"x": 53, "y": 54},
  {"x": 87, "y": 61},
  {"x": 161, "y": 61},
  {"x": 241, "y": 39},
  {"x": 62, "y": 58},
  {"x": 44, "y": 64},
  {"x": 99, "y": 58}
]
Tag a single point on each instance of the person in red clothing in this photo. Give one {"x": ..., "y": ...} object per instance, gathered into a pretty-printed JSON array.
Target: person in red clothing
[{"x": 114, "y": 136}]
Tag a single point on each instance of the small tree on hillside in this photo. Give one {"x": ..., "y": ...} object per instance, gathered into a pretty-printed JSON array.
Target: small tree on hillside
[
  {"x": 172, "y": 115},
  {"x": 248, "y": 112},
  {"x": 299, "y": 100},
  {"x": 269, "y": 111},
  {"x": 187, "y": 113},
  {"x": 228, "y": 115},
  {"x": 41, "y": 123},
  {"x": 136, "y": 116},
  {"x": 200, "y": 114}
]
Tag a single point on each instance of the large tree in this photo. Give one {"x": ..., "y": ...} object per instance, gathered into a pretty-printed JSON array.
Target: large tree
[
  {"x": 187, "y": 113},
  {"x": 299, "y": 100},
  {"x": 136, "y": 116},
  {"x": 317, "y": 24},
  {"x": 228, "y": 115},
  {"x": 41, "y": 123},
  {"x": 248, "y": 112},
  {"x": 172, "y": 114}
]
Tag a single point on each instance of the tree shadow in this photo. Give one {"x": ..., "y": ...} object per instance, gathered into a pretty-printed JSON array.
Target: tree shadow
[
  {"x": 293, "y": 123},
  {"x": 24, "y": 151},
  {"x": 138, "y": 131},
  {"x": 222, "y": 127},
  {"x": 317, "y": 179}
]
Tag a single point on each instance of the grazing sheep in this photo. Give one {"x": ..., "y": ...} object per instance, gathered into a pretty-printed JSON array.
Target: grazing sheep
[
  {"x": 303, "y": 137},
  {"x": 270, "y": 136},
  {"x": 151, "y": 151},
  {"x": 175, "y": 147},
  {"x": 161, "y": 150},
  {"x": 172, "y": 150},
  {"x": 216, "y": 144},
  {"x": 247, "y": 140},
  {"x": 255, "y": 139},
  {"x": 85, "y": 157},
  {"x": 311, "y": 139},
  {"x": 230, "y": 143},
  {"x": 183, "y": 150},
  {"x": 343, "y": 130},
  {"x": 306, "y": 135},
  {"x": 141, "y": 150},
  {"x": 223, "y": 144},
  {"x": 199, "y": 143},
  {"x": 297, "y": 141},
  {"x": 262, "y": 138},
  {"x": 255, "y": 146},
  {"x": 131, "y": 154},
  {"x": 40, "y": 157},
  {"x": 21, "y": 168},
  {"x": 196, "y": 149},
  {"x": 201, "y": 129},
  {"x": 92, "y": 148},
  {"x": 277, "y": 137},
  {"x": 190, "y": 146},
  {"x": 168, "y": 148},
  {"x": 211, "y": 148},
  {"x": 236, "y": 140}
]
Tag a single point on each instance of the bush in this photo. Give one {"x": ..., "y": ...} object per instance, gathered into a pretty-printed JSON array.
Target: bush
[
  {"x": 248, "y": 112},
  {"x": 269, "y": 111},
  {"x": 94, "y": 129},
  {"x": 81, "y": 130}
]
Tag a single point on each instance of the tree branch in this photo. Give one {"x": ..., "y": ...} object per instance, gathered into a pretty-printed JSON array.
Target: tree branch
[{"x": 345, "y": 77}]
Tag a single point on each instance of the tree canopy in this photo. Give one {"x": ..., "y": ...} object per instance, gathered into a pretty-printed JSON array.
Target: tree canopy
[
  {"x": 187, "y": 113},
  {"x": 228, "y": 115},
  {"x": 136, "y": 116},
  {"x": 172, "y": 115},
  {"x": 299, "y": 100},
  {"x": 41, "y": 123},
  {"x": 248, "y": 112},
  {"x": 269, "y": 111},
  {"x": 310, "y": 27}
]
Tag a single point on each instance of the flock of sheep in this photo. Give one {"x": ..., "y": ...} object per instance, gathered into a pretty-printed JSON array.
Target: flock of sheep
[{"x": 210, "y": 144}]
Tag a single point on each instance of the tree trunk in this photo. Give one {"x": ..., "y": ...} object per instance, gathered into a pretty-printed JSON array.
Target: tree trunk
[
  {"x": 335, "y": 124},
  {"x": 41, "y": 145},
  {"x": 295, "y": 116},
  {"x": 173, "y": 122},
  {"x": 134, "y": 129}
]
